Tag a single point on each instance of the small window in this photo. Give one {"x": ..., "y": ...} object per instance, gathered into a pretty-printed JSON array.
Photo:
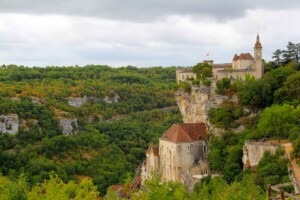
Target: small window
[{"x": 179, "y": 148}]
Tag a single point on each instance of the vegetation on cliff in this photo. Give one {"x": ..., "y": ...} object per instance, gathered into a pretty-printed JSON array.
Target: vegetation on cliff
[{"x": 107, "y": 151}]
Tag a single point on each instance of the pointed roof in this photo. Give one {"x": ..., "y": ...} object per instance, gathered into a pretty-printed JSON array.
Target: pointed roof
[
  {"x": 235, "y": 57},
  {"x": 243, "y": 56},
  {"x": 257, "y": 43},
  {"x": 187, "y": 132},
  {"x": 153, "y": 149}
]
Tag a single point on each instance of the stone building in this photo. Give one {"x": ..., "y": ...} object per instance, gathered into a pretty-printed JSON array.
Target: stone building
[
  {"x": 181, "y": 154},
  {"x": 242, "y": 65},
  {"x": 253, "y": 151},
  {"x": 184, "y": 74}
]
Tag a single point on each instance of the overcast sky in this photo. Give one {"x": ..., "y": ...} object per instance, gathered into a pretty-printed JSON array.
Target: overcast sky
[{"x": 142, "y": 32}]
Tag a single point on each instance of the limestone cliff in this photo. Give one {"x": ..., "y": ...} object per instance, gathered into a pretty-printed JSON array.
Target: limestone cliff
[
  {"x": 77, "y": 101},
  {"x": 194, "y": 106},
  {"x": 9, "y": 123},
  {"x": 69, "y": 126}
]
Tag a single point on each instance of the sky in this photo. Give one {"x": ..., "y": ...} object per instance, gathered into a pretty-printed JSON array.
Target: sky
[{"x": 142, "y": 33}]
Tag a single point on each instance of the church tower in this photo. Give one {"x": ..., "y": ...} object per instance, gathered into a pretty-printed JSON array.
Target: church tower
[{"x": 259, "y": 66}]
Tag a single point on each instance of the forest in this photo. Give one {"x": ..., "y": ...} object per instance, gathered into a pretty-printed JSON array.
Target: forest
[{"x": 111, "y": 138}]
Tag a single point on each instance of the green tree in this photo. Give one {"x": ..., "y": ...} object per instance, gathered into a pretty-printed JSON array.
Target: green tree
[
  {"x": 55, "y": 188},
  {"x": 276, "y": 121}
]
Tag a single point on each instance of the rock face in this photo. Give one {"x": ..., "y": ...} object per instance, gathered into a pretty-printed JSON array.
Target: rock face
[
  {"x": 194, "y": 106},
  {"x": 68, "y": 126},
  {"x": 37, "y": 100},
  {"x": 114, "y": 99},
  {"x": 77, "y": 101},
  {"x": 253, "y": 151},
  {"x": 9, "y": 123}
]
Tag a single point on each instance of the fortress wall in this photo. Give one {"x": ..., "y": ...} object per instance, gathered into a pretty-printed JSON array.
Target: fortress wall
[{"x": 254, "y": 151}]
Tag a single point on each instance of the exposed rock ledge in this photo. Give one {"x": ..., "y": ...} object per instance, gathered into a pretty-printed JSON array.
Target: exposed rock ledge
[
  {"x": 9, "y": 123},
  {"x": 194, "y": 106},
  {"x": 77, "y": 101},
  {"x": 68, "y": 125}
]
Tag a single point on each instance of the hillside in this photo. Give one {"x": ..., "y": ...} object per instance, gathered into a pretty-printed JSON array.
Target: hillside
[{"x": 82, "y": 122}]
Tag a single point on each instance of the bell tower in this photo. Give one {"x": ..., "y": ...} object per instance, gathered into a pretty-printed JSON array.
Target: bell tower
[{"x": 259, "y": 68}]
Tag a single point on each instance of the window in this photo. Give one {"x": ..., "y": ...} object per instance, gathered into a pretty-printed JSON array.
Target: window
[
  {"x": 179, "y": 148},
  {"x": 204, "y": 149}
]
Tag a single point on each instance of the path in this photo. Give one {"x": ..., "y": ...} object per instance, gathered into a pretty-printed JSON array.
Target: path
[{"x": 288, "y": 147}]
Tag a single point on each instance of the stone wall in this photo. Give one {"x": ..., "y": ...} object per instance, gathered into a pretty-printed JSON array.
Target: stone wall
[
  {"x": 9, "y": 123},
  {"x": 253, "y": 152}
]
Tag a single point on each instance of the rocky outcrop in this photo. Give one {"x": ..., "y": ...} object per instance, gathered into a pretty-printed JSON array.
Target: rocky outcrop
[
  {"x": 194, "y": 106},
  {"x": 77, "y": 101},
  {"x": 37, "y": 100},
  {"x": 68, "y": 125},
  {"x": 114, "y": 99},
  {"x": 9, "y": 123}
]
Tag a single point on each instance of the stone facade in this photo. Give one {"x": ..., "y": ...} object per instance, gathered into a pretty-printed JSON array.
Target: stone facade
[
  {"x": 242, "y": 65},
  {"x": 184, "y": 74},
  {"x": 253, "y": 151},
  {"x": 181, "y": 150},
  {"x": 9, "y": 123}
]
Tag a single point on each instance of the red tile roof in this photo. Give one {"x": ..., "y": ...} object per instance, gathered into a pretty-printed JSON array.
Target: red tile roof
[
  {"x": 187, "y": 132},
  {"x": 243, "y": 56},
  {"x": 222, "y": 65},
  {"x": 153, "y": 149},
  {"x": 188, "y": 70}
]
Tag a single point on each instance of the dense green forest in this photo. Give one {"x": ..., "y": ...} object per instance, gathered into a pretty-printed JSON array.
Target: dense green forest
[{"x": 107, "y": 148}]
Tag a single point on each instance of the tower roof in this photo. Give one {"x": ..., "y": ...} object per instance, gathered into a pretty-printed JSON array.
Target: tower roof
[
  {"x": 187, "y": 132},
  {"x": 242, "y": 56},
  {"x": 153, "y": 149},
  {"x": 257, "y": 43}
]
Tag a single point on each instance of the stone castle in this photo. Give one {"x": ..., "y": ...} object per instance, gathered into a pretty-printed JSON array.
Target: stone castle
[
  {"x": 180, "y": 156},
  {"x": 242, "y": 65},
  {"x": 182, "y": 151}
]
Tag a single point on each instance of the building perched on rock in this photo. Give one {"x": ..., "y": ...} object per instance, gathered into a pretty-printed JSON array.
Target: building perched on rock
[
  {"x": 180, "y": 156},
  {"x": 242, "y": 65},
  {"x": 253, "y": 151}
]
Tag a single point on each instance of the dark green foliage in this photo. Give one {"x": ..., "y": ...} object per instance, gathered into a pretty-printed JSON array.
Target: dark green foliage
[
  {"x": 203, "y": 72},
  {"x": 256, "y": 94},
  {"x": 105, "y": 151},
  {"x": 225, "y": 116},
  {"x": 223, "y": 86},
  {"x": 272, "y": 169},
  {"x": 186, "y": 87},
  {"x": 290, "y": 90}
]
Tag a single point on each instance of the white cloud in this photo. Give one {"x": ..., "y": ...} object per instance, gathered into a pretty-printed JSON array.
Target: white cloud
[{"x": 174, "y": 40}]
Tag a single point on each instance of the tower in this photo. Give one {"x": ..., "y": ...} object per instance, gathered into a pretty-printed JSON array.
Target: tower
[{"x": 259, "y": 68}]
